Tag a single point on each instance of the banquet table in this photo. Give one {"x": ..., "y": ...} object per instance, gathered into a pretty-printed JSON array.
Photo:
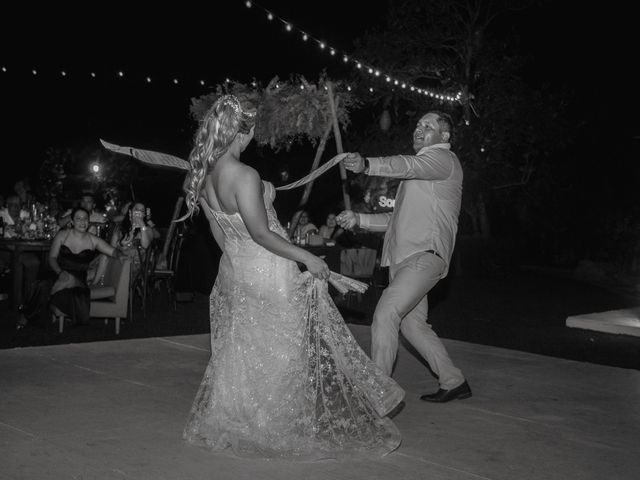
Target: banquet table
[
  {"x": 330, "y": 254},
  {"x": 17, "y": 246}
]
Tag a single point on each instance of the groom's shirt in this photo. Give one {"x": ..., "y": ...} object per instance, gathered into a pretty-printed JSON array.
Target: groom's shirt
[{"x": 427, "y": 204}]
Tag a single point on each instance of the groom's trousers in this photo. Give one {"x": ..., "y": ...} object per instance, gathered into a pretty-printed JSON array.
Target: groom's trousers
[{"x": 404, "y": 306}]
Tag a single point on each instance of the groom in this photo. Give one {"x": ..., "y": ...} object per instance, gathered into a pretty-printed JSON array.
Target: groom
[{"x": 419, "y": 240}]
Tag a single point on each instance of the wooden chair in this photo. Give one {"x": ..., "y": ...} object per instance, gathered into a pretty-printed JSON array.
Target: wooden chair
[
  {"x": 165, "y": 272},
  {"x": 139, "y": 284}
]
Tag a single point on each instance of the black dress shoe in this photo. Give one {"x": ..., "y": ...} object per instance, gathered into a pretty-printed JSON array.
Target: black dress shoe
[{"x": 459, "y": 393}]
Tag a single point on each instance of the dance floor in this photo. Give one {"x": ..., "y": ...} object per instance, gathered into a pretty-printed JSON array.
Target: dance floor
[{"x": 115, "y": 410}]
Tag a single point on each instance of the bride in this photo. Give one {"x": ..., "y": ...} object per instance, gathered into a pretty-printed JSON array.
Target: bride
[{"x": 286, "y": 378}]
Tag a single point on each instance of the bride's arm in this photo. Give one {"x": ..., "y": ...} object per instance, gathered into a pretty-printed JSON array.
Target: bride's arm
[
  {"x": 248, "y": 187},
  {"x": 218, "y": 235}
]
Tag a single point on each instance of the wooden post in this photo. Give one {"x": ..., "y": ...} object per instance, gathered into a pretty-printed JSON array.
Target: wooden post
[
  {"x": 307, "y": 188},
  {"x": 338, "y": 137},
  {"x": 316, "y": 162}
]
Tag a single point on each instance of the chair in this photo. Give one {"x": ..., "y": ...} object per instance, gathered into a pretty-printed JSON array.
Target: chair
[
  {"x": 164, "y": 272},
  {"x": 109, "y": 299},
  {"x": 116, "y": 305},
  {"x": 139, "y": 283},
  {"x": 360, "y": 264}
]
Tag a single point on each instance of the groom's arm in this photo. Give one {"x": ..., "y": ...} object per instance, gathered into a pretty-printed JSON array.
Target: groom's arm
[
  {"x": 435, "y": 164},
  {"x": 374, "y": 222}
]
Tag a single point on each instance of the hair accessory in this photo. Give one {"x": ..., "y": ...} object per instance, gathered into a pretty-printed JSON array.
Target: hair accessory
[{"x": 233, "y": 101}]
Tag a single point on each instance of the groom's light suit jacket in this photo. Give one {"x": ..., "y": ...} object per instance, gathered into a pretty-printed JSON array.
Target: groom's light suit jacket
[{"x": 427, "y": 204}]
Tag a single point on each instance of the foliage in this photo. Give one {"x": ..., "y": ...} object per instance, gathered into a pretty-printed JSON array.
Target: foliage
[
  {"x": 507, "y": 131},
  {"x": 66, "y": 173},
  {"x": 51, "y": 174},
  {"x": 288, "y": 111}
]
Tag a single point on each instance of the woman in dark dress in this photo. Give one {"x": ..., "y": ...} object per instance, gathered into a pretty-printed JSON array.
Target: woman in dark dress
[{"x": 72, "y": 250}]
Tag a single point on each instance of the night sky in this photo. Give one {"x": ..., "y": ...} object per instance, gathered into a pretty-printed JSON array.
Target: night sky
[{"x": 590, "y": 50}]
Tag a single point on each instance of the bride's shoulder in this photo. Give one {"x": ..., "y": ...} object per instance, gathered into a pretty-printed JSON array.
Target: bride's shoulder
[{"x": 248, "y": 177}]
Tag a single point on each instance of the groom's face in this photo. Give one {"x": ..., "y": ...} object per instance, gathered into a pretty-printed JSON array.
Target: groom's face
[{"x": 428, "y": 132}]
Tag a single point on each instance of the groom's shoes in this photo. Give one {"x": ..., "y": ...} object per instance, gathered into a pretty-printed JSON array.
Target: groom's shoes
[{"x": 459, "y": 393}]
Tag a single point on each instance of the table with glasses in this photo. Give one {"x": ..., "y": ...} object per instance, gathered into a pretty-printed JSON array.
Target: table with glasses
[{"x": 17, "y": 246}]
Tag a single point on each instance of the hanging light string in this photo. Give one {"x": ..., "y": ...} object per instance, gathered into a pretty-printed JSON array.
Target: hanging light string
[
  {"x": 121, "y": 74},
  {"x": 347, "y": 59},
  {"x": 289, "y": 27}
]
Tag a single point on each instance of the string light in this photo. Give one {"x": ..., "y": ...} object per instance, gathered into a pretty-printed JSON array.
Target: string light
[
  {"x": 305, "y": 37},
  {"x": 144, "y": 78},
  {"x": 358, "y": 63}
]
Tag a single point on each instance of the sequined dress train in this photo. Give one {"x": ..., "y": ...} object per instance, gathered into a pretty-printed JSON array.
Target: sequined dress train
[{"x": 286, "y": 378}]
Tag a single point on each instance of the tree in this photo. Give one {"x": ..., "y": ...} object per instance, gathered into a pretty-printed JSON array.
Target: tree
[{"x": 506, "y": 129}]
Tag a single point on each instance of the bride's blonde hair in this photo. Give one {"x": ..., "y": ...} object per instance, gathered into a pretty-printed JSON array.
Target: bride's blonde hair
[{"x": 223, "y": 121}]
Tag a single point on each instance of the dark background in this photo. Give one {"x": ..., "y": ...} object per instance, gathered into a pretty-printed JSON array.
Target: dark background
[{"x": 587, "y": 49}]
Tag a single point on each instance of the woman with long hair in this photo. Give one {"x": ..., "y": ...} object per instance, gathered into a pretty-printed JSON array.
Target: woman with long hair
[
  {"x": 135, "y": 232},
  {"x": 286, "y": 378}
]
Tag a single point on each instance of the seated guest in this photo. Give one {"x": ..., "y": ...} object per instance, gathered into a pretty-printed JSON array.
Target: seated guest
[
  {"x": 135, "y": 231},
  {"x": 72, "y": 251},
  {"x": 301, "y": 224},
  {"x": 330, "y": 230},
  {"x": 13, "y": 213},
  {"x": 22, "y": 189},
  {"x": 28, "y": 263},
  {"x": 97, "y": 219}
]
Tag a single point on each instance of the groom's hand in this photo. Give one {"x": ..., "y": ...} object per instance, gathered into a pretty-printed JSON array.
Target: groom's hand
[
  {"x": 347, "y": 219},
  {"x": 354, "y": 162}
]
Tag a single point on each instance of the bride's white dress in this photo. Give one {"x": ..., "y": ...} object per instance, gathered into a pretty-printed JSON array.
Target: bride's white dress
[{"x": 286, "y": 377}]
